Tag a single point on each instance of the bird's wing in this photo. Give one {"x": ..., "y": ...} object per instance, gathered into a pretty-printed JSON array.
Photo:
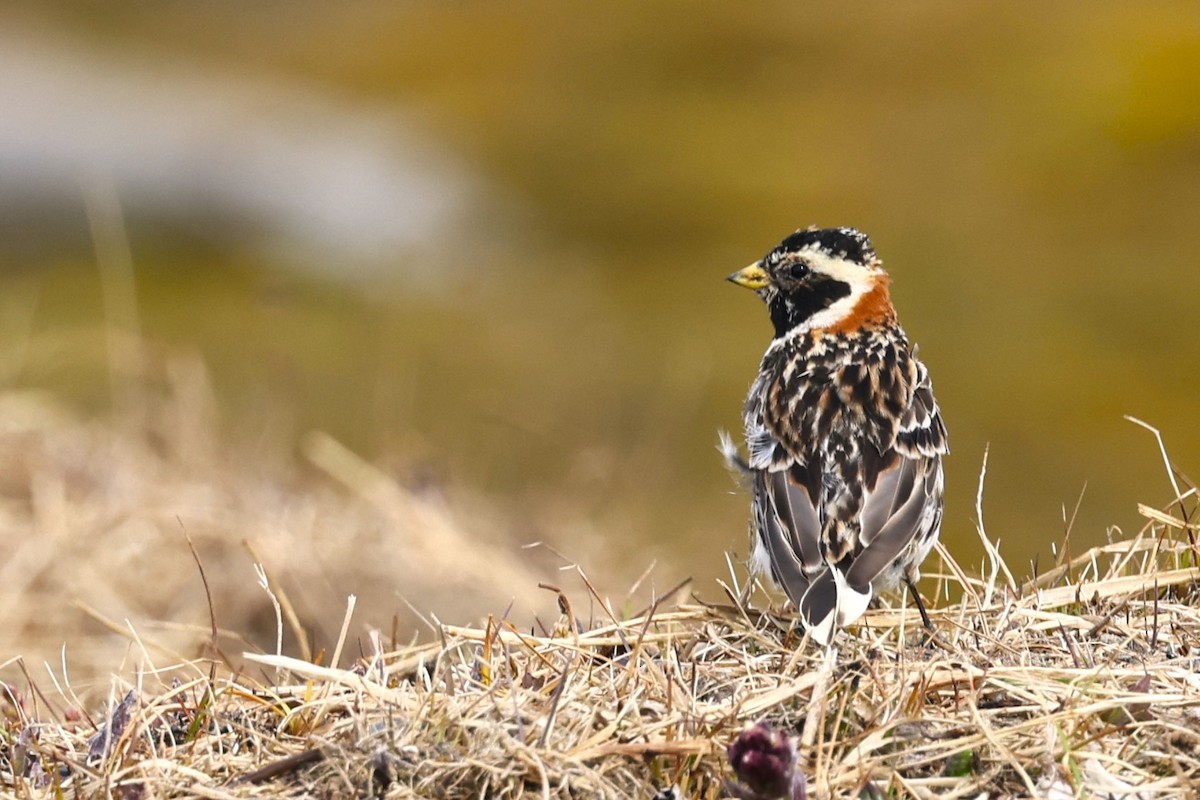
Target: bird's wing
[
  {"x": 789, "y": 524},
  {"x": 901, "y": 509},
  {"x": 922, "y": 432},
  {"x": 787, "y": 500},
  {"x": 902, "y": 502}
]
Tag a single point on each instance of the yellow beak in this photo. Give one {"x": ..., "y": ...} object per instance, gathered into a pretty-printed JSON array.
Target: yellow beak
[{"x": 751, "y": 277}]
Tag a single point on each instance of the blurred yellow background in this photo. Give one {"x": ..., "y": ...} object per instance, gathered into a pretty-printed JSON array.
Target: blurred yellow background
[{"x": 483, "y": 244}]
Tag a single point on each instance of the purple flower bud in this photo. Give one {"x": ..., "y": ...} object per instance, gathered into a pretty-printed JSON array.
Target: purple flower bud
[{"x": 764, "y": 760}]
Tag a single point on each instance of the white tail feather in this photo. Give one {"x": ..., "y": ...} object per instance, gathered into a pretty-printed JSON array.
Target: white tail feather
[
  {"x": 822, "y": 632},
  {"x": 851, "y": 603}
]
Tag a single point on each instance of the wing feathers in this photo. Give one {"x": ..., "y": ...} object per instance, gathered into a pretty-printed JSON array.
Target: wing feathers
[
  {"x": 789, "y": 527},
  {"x": 818, "y": 607},
  {"x": 907, "y": 523},
  {"x": 922, "y": 432},
  {"x": 786, "y": 568},
  {"x": 790, "y": 493}
]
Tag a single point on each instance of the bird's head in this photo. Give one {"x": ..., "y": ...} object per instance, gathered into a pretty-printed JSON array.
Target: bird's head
[{"x": 816, "y": 277}]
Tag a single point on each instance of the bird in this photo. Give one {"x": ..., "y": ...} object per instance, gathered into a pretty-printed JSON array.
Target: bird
[{"x": 844, "y": 438}]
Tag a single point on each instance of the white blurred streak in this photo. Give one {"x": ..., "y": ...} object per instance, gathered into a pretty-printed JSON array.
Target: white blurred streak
[{"x": 307, "y": 175}]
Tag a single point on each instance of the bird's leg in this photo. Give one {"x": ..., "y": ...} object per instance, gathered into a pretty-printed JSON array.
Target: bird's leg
[{"x": 916, "y": 596}]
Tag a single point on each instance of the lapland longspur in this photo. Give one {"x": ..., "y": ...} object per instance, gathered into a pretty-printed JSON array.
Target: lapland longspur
[{"x": 844, "y": 437}]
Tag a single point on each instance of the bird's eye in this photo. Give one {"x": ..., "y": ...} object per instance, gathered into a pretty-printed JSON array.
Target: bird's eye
[{"x": 798, "y": 270}]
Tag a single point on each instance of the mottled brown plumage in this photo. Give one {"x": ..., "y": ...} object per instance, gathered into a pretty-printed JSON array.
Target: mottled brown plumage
[{"x": 844, "y": 435}]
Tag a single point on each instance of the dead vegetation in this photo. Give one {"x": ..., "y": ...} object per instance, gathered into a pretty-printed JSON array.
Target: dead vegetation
[
  {"x": 1084, "y": 681},
  {"x": 96, "y": 516}
]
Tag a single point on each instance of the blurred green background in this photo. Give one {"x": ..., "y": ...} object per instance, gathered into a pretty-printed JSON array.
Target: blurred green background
[{"x": 484, "y": 243}]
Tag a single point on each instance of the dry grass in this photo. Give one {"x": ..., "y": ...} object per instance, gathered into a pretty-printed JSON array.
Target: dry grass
[
  {"x": 1082, "y": 682},
  {"x": 95, "y": 519}
]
